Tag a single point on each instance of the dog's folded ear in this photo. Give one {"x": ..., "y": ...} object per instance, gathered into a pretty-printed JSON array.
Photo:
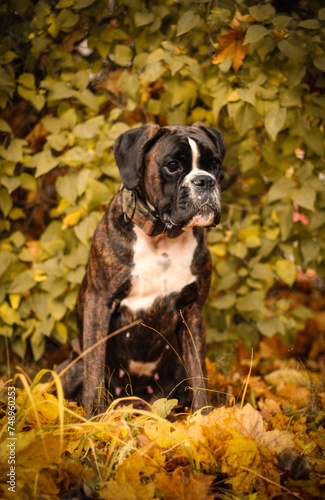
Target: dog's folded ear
[
  {"x": 130, "y": 149},
  {"x": 214, "y": 136}
]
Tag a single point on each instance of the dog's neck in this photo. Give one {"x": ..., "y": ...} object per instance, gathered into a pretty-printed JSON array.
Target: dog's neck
[{"x": 144, "y": 217}]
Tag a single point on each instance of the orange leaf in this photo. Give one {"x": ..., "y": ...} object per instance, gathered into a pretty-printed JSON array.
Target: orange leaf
[
  {"x": 36, "y": 137},
  {"x": 246, "y": 18},
  {"x": 231, "y": 45},
  {"x": 322, "y": 396},
  {"x": 112, "y": 490},
  {"x": 182, "y": 486},
  {"x": 110, "y": 83}
]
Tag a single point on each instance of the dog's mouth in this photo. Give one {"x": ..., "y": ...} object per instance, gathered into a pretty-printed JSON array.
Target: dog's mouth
[{"x": 205, "y": 216}]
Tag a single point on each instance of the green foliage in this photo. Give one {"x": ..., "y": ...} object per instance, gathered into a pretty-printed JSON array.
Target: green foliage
[{"x": 76, "y": 74}]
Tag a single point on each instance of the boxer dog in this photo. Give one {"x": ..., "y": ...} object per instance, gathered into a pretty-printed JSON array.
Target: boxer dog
[{"x": 149, "y": 261}]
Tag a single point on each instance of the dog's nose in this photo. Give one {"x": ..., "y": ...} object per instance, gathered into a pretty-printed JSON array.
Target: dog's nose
[{"x": 204, "y": 181}]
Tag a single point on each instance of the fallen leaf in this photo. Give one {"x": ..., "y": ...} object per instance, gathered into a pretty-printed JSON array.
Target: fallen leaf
[
  {"x": 289, "y": 376},
  {"x": 130, "y": 477},
  {"x": 268, "y": 406},
  {"x": 47, "y": 406},
  {"x": 182, "y": 486},
  {"x": 290, "y": 460},
  {"x": 251, "y": 467},
  {"x": 112, "y": 490},
  {"x": 35, "y": 459},
  {"x": 293, "y": 396},
  {"x": 159, "y": 432}
]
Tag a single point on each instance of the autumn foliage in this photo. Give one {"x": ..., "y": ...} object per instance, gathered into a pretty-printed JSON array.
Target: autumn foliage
[{"x": 130, "y": 454}]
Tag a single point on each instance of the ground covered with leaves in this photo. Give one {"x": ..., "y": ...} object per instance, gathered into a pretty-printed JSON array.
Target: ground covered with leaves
[
  {"x": 74, "y": 75},
  {"x": 264, "y": 438}
]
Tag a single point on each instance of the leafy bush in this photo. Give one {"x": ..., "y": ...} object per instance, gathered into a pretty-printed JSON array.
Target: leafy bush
[{"x": 77, "y": 73}]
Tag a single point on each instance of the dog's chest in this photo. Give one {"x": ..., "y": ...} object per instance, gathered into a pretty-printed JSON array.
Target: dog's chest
[{"x": 161, "y": 266}]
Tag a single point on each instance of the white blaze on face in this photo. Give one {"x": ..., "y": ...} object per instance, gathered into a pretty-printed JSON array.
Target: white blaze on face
[
  {"x": 195, "y": 154},
  {"x": 195, "y": 170},
  {"x": 203, "y": 218}
]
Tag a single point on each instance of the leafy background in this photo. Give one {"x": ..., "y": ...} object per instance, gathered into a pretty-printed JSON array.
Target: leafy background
[{"x": 75, "y": 74}]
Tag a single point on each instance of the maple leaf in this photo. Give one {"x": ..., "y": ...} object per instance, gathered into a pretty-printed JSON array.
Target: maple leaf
[
  {"x": 251, "y": 467},
  {"x": 231, "y": 45},
  {"x": 248, "y": 422},
  {"x": 113, "y": 490},
  {"x": 129, "y": 478}
]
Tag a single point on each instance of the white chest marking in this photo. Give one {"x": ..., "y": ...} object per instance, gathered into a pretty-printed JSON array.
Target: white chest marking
[
  {"x": 140, "y": 368},
  {"x": 161, "y": 266}
]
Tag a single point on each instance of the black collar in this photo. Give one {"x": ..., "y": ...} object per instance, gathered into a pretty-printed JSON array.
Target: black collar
[{"x": 137, "y": 211}]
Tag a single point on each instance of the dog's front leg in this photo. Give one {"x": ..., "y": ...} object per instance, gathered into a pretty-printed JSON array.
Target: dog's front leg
[
  {"x": 191, "y": 338},
  {"x": 97, "y": 316}
]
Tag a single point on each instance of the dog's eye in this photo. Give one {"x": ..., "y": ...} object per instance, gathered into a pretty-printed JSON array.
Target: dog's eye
[
  {"x": 216, "y": 163},
  {"x": 173, "y": 166}
]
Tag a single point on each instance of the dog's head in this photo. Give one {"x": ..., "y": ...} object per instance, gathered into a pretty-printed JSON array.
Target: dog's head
[{"x": 176, "y": 171}]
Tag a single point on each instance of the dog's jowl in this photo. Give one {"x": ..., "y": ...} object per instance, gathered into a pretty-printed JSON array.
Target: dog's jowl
[{"x": 149, "y": 261}]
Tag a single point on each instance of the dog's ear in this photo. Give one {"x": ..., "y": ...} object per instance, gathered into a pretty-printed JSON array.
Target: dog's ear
[
  {"x": 130, "y": 149},
  {"x": 214, "y": 135}
]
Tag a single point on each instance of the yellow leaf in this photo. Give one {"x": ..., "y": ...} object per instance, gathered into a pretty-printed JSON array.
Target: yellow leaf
[
  {"x": 158, "y": 458},
  {"x": 63, "y": 205},
  {"x": 159, "y": 432},
  {"x": 34, "y": 462},
  {"x": 47, "y": 406},
  {"x": 39, "y": 276},
  {"x": 286, "y": 270},
  {"x": 9, "y": 315},
  {"x": 112, "y": 490},
  {"x": 288, "y": 376},
  {"x": 14, "y": 299},
  {"x": 131, "y": 473},
  {"x": 248, "y": 422},
  {"x": 219, "y": 249},
  {"x": 72, "y": 219},
  {"x": 251, "y": 467}
]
